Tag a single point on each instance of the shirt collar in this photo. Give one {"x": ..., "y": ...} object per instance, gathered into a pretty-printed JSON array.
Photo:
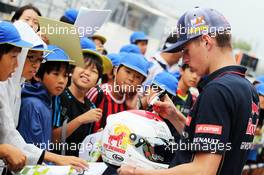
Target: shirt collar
[
  {"x": 159, "y": 58},
  {"x": 238, "y": 70}
]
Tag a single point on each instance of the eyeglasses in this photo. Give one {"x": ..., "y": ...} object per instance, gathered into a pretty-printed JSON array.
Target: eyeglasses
[{"x": 35, "y": 60}]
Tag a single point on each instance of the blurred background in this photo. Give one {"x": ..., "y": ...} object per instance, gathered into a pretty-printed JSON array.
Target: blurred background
[{"x": 158, "y": 18}]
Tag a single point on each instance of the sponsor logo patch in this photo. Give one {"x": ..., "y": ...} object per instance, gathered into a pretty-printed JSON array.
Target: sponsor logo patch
[{"x": 208, "y": 129}]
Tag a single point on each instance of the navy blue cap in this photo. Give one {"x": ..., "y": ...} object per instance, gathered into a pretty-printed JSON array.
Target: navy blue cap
[
  {"x": 130, "y": 48},
  {"x": 260, "y": 89},
  {"x": 10, "y": 35},
  {"x": 196, "y": 22},
  {"x": 166, "y": 81},
  {"x": 71, "y": 14},
  {"x": 136, "y": 62},
  {"x": 115, "y": 58},
  {"x": 138, "y": 36}
]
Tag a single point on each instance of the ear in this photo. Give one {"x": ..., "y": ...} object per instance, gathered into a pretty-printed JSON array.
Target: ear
[{"x": 207, "y": 41}]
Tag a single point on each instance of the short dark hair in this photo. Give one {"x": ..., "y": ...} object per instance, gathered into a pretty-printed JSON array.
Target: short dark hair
[
  {"x": 21, "y": 10},
  {"x": 224, "y": 40},
  {"x": 5, "y": 48},
  {"x": 49, "y": 66},
  {"x": 184, "y": 66},
  {"x": 90, "y": 60},
  {"x": 138, "y": 41}
]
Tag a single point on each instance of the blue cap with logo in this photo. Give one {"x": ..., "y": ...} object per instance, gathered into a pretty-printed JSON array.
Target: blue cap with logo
[
  {"x": 130, "y": 48},
  {"x": 56, "y": 54},
  {"x": 166, "y": 81},
  {"x": 196, "y": 22},
  {"x": 10, "y": 35},
  {"x": 138, "y": 36},
  {"x": 136, "y": 62},
  {"x": 260, "y": 89},
  {"x": 71, "y": 14}
]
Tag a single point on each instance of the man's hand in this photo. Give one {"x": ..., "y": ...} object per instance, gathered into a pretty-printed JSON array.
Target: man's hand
[
  {"x": 13, "y": 157},
  {"x": 90, "y": 116},
  {"x": 167, "y": 110}
]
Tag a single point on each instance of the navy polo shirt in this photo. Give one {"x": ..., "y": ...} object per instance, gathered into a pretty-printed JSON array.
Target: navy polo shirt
[{"x": 223, "y": 120}]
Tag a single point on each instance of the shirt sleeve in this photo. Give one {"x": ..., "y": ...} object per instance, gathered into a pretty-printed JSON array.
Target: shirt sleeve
[
  {"x": 30, "y": 125},
  {"x": 9, "y": 135},
  {"x": 92, "y": 94},
  {"x": 213, "y": 120}
]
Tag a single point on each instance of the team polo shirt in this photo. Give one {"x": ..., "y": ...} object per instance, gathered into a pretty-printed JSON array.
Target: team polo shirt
[
  {"x": 70, "y": 108},
  {"x": 223, "y": 120},
  {"x": 105, "y": 101}
]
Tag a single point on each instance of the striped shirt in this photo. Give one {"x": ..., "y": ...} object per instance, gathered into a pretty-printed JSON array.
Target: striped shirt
[{"x": 106, "y": 102}]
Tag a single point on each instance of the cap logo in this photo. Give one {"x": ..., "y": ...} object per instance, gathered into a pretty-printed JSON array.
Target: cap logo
[{"x": 198, "y": 21}]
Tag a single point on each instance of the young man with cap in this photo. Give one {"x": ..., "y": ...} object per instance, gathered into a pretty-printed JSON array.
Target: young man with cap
[
  {"x": 220, "y": 127},
  {"x": 114, "y": 97},
  {"x": 141, "y": 40},
  {"x": 10, "y": 47}
]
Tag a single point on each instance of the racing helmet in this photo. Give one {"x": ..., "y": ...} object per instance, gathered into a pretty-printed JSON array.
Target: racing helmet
[{"x": 137, "y": 137}]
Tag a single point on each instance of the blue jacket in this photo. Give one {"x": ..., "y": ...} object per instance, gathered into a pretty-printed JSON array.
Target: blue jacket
[{"x": 35, "y": 118}]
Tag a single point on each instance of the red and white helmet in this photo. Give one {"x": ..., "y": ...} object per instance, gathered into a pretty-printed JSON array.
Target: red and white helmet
[{"x": 136, "y": 137}]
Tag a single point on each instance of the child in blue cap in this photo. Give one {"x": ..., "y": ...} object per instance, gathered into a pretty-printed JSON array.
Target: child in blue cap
[
  {"x": 35, "y": 122},
  {"x": 115, "y": 59},
  {"x": 75, "y": 113},
  {"x": 114, "y": 97},
  {"x": 141, "y": 40},
  {"x": 10, "y": 47}
]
